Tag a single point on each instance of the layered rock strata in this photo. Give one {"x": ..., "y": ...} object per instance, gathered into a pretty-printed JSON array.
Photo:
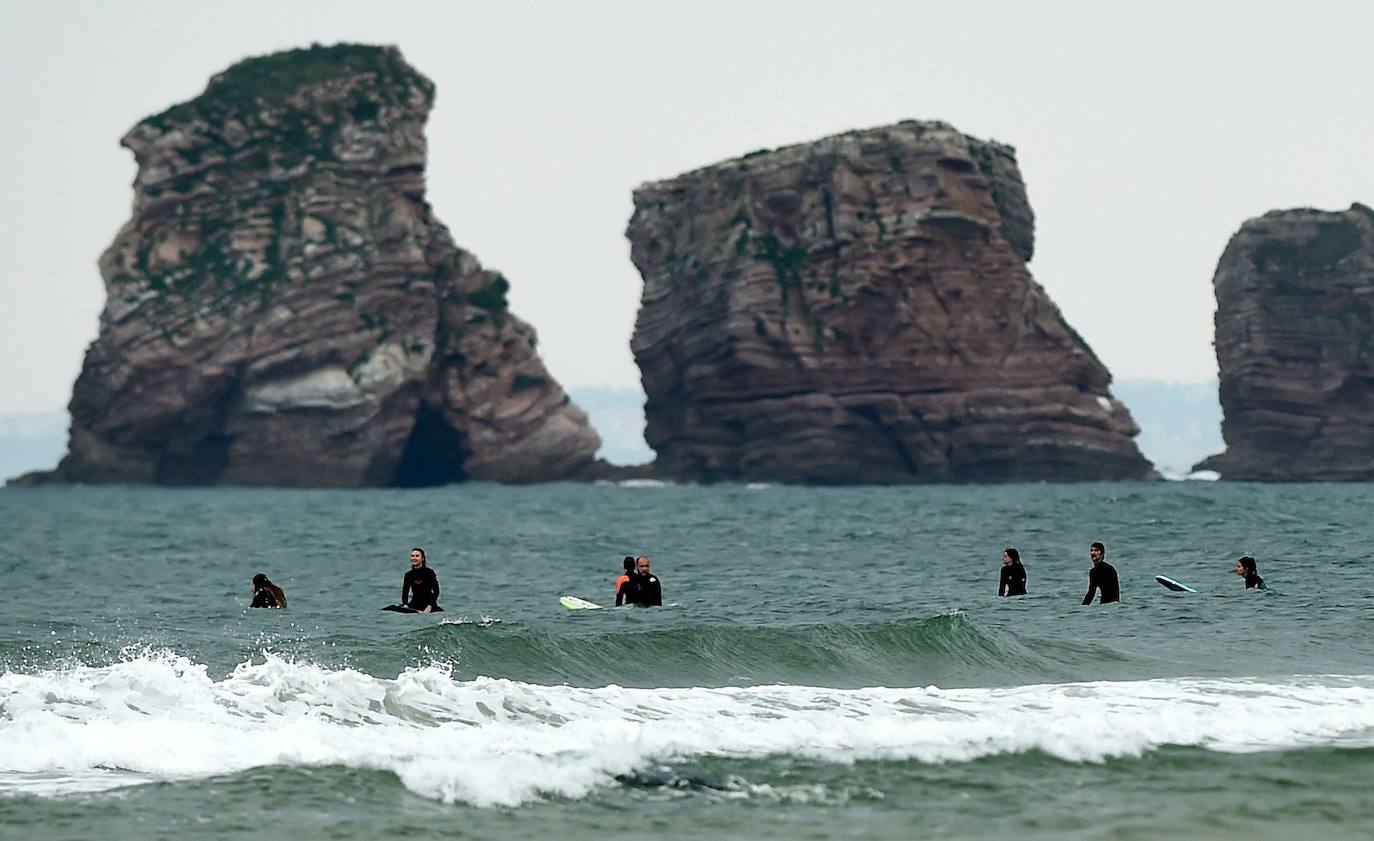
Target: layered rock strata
[
  {"x": 284, "y": 309},
  {"x": 1295, "y": 347},
  {"x": 858, "y": 309}
]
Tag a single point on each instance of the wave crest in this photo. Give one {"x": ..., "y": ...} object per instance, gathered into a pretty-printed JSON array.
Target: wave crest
[{"x": 501, "y": 742}]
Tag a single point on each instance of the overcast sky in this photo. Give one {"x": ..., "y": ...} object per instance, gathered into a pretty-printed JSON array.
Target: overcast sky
[{"x": 1147, "y": 133}]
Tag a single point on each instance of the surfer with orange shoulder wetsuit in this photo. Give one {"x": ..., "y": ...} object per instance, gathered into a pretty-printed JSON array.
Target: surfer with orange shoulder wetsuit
[{"x": 623, "y": 583}]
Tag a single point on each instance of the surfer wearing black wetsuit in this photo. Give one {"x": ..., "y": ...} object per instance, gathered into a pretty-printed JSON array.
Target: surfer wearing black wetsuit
[
  {"x": 625, "y": 582},
  {"x": 1013, "y": 581},
  {"x": 1247, "y": 567},
  {"x": 645, "y": 589},
  {"x": 420, "y": 588},
  {"x": 1102, "y": 576},
  {"x": 265, "y": 593}
]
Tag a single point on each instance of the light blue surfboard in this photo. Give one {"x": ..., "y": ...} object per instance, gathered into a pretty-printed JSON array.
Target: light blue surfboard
[{"x": 1176, "y": 586}]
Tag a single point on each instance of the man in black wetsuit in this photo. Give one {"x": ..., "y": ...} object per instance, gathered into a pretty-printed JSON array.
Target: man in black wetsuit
[
  {"x": 644, "y": 589},
  {"x": 1102, "y": 576},
  {"x": 420, "y": 588},
  {"x": 1013, "y": 581}
]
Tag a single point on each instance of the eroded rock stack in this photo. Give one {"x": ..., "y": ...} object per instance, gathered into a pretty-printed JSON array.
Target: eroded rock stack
[
  {"x": 283, "y": 307},
  {"x": 858, "y": 309},
  {"x": 1295, "y": 347}
]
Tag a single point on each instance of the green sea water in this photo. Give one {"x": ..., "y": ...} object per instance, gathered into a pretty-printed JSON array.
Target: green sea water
[{"x": 829, "y": 663}]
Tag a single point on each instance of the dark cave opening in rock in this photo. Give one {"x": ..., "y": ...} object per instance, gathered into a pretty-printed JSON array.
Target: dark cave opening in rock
[
  {"x": 199, "y": 463},
  {"x": 433, "y": 454}
]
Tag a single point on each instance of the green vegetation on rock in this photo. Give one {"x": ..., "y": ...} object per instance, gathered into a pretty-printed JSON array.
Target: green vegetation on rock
[
  {"x": 266, "y": 81},
  {"x": 983, "y": 157},
  {"x": 786, "y": 262},
  {"x": 523, "y": 382},
  {"x": 492, "y": 296},
  {"x": 1334, "y": 239}
]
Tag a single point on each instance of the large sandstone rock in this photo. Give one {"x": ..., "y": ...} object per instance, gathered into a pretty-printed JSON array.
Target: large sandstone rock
[
  {"x": 283, "y": 307},
  {"x": 858, "y": 309},
  {"x": 1295, "y": 347}
]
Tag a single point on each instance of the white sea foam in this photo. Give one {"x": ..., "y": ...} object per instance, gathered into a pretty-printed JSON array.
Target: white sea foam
[{"x": 499, "y": 742}]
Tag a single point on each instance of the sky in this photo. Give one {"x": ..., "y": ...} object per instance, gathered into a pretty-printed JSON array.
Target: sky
[{"x": 1146, "y": 132}]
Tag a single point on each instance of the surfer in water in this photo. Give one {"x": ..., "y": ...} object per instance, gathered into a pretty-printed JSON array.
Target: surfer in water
[
  {"x": 265, "y": 593},
  {"x": 644, "y": 588},
  {"x": 624, "y": 582},
  {"x": 1013, "y": 581},
  {"x": 1102, "y": 576},
  {"x": 1247, "y": 567},
  {"x": 420, "y": 587}
]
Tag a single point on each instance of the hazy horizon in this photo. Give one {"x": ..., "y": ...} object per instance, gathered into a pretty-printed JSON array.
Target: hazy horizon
[
  {"x": 1146, "y": 137},
  {"x": 1180, "y": 423}
]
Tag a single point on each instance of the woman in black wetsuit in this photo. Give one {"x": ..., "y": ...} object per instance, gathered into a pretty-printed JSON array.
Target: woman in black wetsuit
[
  {"x": 420, "y": 587},
  {"x": 1013, "y": 582},
  {"x": 1247, "y": 567},
  {"x": 265, "y": 593}
]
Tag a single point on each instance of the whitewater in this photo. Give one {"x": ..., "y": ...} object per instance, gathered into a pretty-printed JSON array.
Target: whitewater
[{"x": 495, "y": 742}]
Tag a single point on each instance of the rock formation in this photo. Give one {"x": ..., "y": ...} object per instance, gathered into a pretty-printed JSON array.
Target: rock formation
[
  {"x": 284, "y": 309},
  {"x": 1295, "y": 347},
  {"x": 858, "y": 309}
]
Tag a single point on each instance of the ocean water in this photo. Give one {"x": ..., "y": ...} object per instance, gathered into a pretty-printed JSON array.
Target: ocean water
[{"x": 831, "y": 663}]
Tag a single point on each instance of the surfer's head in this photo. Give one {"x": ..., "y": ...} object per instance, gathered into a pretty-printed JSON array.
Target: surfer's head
[
  {"x": 1246, "y": 566},
  {"x": 417, "y": 557},
  {"x": 1097, "y": 551},
  {"x": 1011, "y": 556},
  {"x": 629, "y": 563},
  {"x": 642, "y": 564},
  {"x": 260, "y": 581}
]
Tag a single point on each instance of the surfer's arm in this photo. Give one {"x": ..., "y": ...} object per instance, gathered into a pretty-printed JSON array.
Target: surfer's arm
[
  {"x": 1002, "y": 582},
  {"x": 405, "y": 590}
]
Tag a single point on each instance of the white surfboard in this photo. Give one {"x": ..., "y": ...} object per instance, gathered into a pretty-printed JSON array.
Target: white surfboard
[
  {"x": 1176, "y": 586},
  {"x": 574, "y": 603}
]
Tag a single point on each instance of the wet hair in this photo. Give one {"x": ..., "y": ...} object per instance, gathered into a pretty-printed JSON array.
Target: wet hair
[
  {"x": 1249, "y": 565},
  {"x": 1097, "y": 544},
  {"x": 423, "y": 559},
  {"x": 629, "y": 563},
  {"x": 262, "y": 582},
  {"x": 1014, "y": 555}
]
